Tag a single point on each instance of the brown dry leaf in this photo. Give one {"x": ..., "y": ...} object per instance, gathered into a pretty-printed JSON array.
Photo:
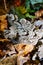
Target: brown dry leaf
[
  {"x": 18, "y": 58},
  {"x": 2, "y": 17},
  {"x": 2, "y": 11},
  {"x": 12, "y": 59},
  {"x": 10, "y": 46},
  {"x": 19, "y": 46},
  {"x": 21, "y": 60},
  {"x": 39, "y": 13},
  {"x": 3, "y": 22},
  {"x": 4, "y": 40},
  {"x": 28, "y": 49},
  {"x": 11, "y": 49},
  {"x": 24, "y": 49},
  {"x": 2, "y": 53}
]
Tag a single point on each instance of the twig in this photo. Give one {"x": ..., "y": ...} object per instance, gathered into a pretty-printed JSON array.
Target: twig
[{"x": 5, "y": 5}]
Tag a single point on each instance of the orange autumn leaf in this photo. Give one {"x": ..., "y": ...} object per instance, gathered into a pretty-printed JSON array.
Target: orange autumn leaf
[{"x": 3, "y": 22}]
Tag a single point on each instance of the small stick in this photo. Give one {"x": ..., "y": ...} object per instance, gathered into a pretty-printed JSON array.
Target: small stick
[{"x": 5, "y": 5}]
